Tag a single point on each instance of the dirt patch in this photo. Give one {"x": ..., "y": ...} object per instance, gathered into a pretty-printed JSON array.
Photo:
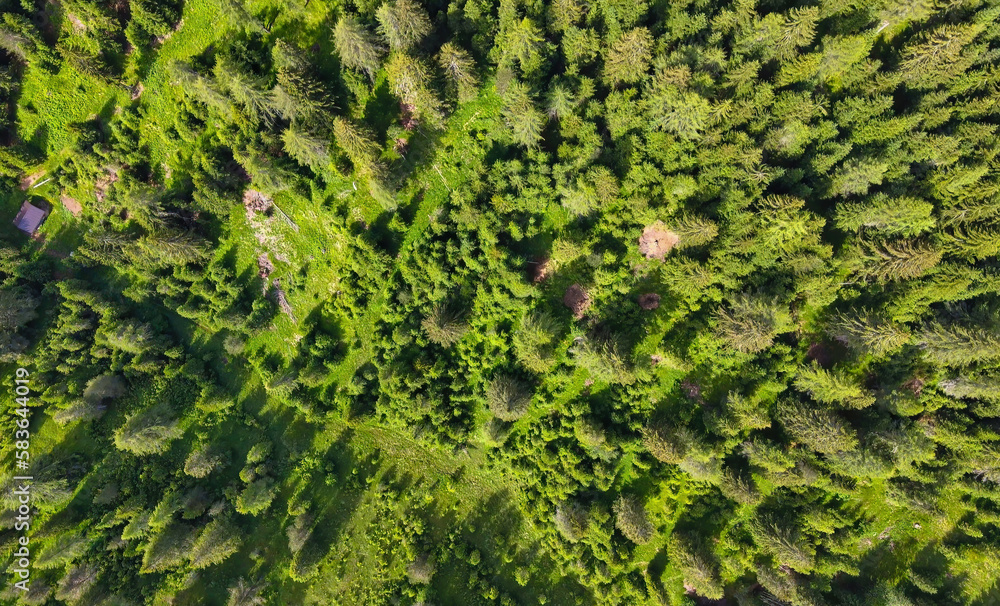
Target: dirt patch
[
  {"x": 649, "y": 301},
  {"x": 71, "y": 205},
  {"x": 691, "y": 389},
  {"x": 102, "y": 185},
  {"x": 77, "y": 24},
  {"x": 281, "y": 299},
  {"x": 819, "y": 353},
  {"x": 577, "y": 299},
  {"x": 406, "y": 119},
  {"x": 256, "y": 202},
  {"x": 30, "y": 180},
  {"x": 914, "y": 385},
  {"x": 540, "y": 270},
  {"x": 656, "y": 241},
  {"x": 264, "y": 265}
]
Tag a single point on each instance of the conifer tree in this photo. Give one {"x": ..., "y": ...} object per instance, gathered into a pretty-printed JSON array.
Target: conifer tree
[
  {"x": 359, "y": 147},
  {"x": 244, "y": 593},
  {"x": 521, "y": 43},
  {"x": 900, "y": 260},
  {"x": 694, "y": 562},
  {"x": 977, "y": 387},
  {"x": 693, "y": 230},
  {"x": 460, "y": 68},
  {"x": 683, "y": 113},
  {"x": 628, "y": 58},
  {"x": 903, "y": 216},
  {"x": 17, "y": 308},
  {"x": 956, "y": 345},
  {"x": 306, "y": 148},
  {"x": 632, "y": 520},
  {"x": 521, "y": 115},
  {"x": 936, "y": 56},
  {"x": 787, "y": 545},
  {"x": 833, "y": 387},
  {"x": 534, "y": 342},
  {"x": 444, "y": 326},
  {"x": 216, "y": 542},
  {"x": 403, "y": 23},
  {"x": 245, "y": 89},
  {"x": 356, "y": 46},
  {"x": 508, "y": 398},
  {"x": 564, "y": 14},
  {"x": 868, "y": 333},
  {"x": 149, "y": 431},
  {"x": 750, "y": 324},
  {"x": 857, "y": 176},
  {"x": 410, "y": 81},
  {"x": 821, "y": 430}
]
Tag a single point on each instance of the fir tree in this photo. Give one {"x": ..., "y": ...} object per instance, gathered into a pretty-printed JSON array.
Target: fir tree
[
  {"x": 833, "y": 388},
  {"x": 821, "y": 430},
  {"x": 628, "y": 58},
  {"x": 632, "y": 520},
  {"x": 956, "y": 345},
  {"x": 356, "y": 46},
  {"x": 403, "y": 23},
  {"x": 750, "y": 323},
  {"x": 460, "y": 68},
  {"x": 903, "y": 216},
  {"x": 866, "y": 332}
]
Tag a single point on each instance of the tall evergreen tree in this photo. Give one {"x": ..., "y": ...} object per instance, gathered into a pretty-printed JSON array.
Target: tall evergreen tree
[
  {"x": 403, "y": 23},
  {"x": 356, "y": 46}
]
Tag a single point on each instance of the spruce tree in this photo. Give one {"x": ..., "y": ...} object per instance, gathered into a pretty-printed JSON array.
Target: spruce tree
[
  {"x": 868, "y": 333},
  {"x": 956, "y": 345},
  {"x": 821, "y": 430},
  {"x": 356, "y": 46},
  {"x": 632, "y": 520},
  {"x": 833, "y": 387},
  {"x": 403, "y": 23},
  {"x": 459, "y": 67},
  {"x": 750, "y": 324},
  {"x": 628, "y": 58},
  {"x": 903, "y": 216}
]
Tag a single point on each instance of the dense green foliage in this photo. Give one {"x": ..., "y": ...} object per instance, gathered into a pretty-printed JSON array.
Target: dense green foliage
[{"x": 504, "y": 302}]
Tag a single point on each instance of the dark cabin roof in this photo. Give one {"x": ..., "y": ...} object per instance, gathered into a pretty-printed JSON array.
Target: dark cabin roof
[{"x": 30, "y": 218}]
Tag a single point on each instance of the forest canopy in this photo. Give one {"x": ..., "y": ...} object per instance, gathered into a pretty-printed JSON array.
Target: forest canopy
[{"x": 476, "y": 302}]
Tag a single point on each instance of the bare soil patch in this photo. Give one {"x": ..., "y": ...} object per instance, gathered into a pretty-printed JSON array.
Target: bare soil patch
[
  {"x": 649, "y": 301},
  {"x": 71, "y": 205},
  {"x": 656, "y": 241},
  {"x": 30, "y": 180},
  {"x": 577, "y": 299}
]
